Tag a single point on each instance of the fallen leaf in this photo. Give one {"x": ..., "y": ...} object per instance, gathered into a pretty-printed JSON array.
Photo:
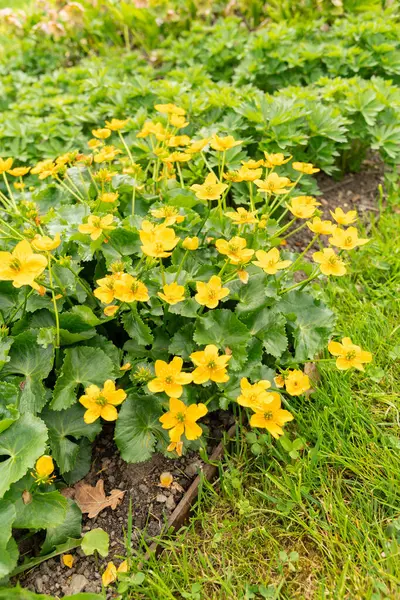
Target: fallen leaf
[
  {"x": 311, "y": 370},
  {"x": 26, "y": 497},
  {"x": 92, "y": 499}
]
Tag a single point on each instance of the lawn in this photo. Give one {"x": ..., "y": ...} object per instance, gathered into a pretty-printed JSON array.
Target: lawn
[{"x": 199, "y": 207}]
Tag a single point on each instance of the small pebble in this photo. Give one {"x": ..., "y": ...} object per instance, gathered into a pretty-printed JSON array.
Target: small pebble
[{"x": 161, "y": 498}]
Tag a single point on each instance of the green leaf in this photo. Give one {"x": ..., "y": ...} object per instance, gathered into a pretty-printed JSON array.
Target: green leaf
[
  {"x": 9, "y": 413},
  {"x": 83, "y": 462},
  {"x": 268, "y": 325},
  {"x": 181, "y": 198},
  {"x": 96, "y": 540},
  {"x": 64, "y": 425},
  {"x": 7, "y": 559},
  {"x": 5, "y": 345},
  {"x": 34, "y": 363},
  {"x": 223, "y": 328},
  {"x": 71, "y": 527},
  {"x": 137, "y": 328},
  {"x": 82, "y": 365},
  {"x": 22, "y": 444},
  {"x": 253, "y": 295},
  {"x": 78, "y": 319},
  {"x": 137, "y": 423},
  {"x": 182, "y": 342}
]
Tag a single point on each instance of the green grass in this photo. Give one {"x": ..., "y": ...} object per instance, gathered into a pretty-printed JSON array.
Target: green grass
[{"x": 335, "y": 507}]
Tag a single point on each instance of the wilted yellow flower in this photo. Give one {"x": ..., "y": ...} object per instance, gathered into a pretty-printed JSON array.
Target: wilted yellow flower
[
  {"x": 169, "y": 213},
  {"x": 181, "y": 419},
  {"x": 190, "y": 243},
  {"x": 170, "y": 109},
  {"x": 279, "y": 381},
  {"x": 175, "y": 446},
  {"x": 96, "y": 226},
  {"x": 270, "y": 416},
  {"x": 45, "y": 243},
  {"x": 178, "y": 140},
  {"x": 102, "y": 402},
  {"x": 346, "y": 239},
  {"x": 329, "y": 262},
  {"x": 44, "y": 468},
  {"x": 109, "y": 575},
  {"x": 307, "y": 168},
  {"x": 169, "y": 378},
  {"x": 103, "y": 175},
  {"x": 344, "y": 218},
  {"x": 68, "y": 560},
  {"x": 224, "y": 143},
  {"x": 297, "y": 382},
  {"x": 166, "y": 480},
  {"x": 51, "y": 170},
  {"x": 242, "y": 216},
  {"x": 273, "y": 184},
  {"x": 116, "y": 124},
  {"x": 349, "y": 355},
  {"x": 303, "y": 207},
  {"x": 129, "y": 289},
  {"x": 22, "y": 266},
  {"x": 172, "y": 293},
  {"x": 209, "y": 294},
  {"x": 107, "y": 154},
  {"x": 101, "y": 134},
  {"x": 275, "y": 160},
  {"x": 197, "y": 145},
  {"x": 235, "y": 249},
  {"x": 321, "y": 227},
  {"x": 158, "y": 240},
  {"x": 211, "y": 189},
  {"x": 270, "y": 262},
  {"x": 109, "y": 197},
  {"x": 5, "y": 165},
  {"x": 19, "y": 171},
  {"x": 209, "y": 365}
]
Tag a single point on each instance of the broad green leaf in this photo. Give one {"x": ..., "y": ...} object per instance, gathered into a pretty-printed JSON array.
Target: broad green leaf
[
  {"x": 9, "y": 413},
  {"x": 8, "y": 298},
  {"x": 182, "y": 342},
  {"x": 71, "y": 527},
  {"x": 96, "y": 540},
  {"x": 7, "y": 512},
  {"x": 83, "y": 462},
  {"x": 223, "y": 328},
  {"x": 34, "y": 363},
  {"x": 20, "y": 446},
  {"x": 137, "y": 424},
  {"x": 137, "y": 328},
  {"x": 268, "y": 325},
  {"x": 82, "y": 365},
  {"x": 5, "y": 345},
  {"x": 253, "y": 295},
  {"x": 78, "y": 319}
]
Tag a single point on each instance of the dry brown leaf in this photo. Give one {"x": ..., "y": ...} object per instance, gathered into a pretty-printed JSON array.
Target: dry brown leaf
[
  {"x": 92, "y": 499},
  {"x": 311, "y": 370}
]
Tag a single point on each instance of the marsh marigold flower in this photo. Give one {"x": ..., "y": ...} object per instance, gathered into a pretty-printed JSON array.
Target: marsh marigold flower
[
  {"x": 101, "y": 134},
  {"x": 273, "y": 184},
  {"x": 158, "y": 240},
  {"x": 109, "y": 575},
  {"x": 297, "y": 382},
  {"x": 321, "y": 227},
  {"x": 102, "y": 402},
  {"x": 279, "y": 381},
  {"x": 177, "y": 121},
  {"x": 109, "y": 197},
  {"x": 209, "y": 294},
  {"x": 235, "y": 249},
  {"x": 211, "y": 189},
  {"x": 106, "y": 290},
  {"x": 244, "y": 174},
  {"x": 253, "y": 395},
  {"x": 197, "y": 145},
  {"x": 242, "y": 216},
  {"x": 22, "y": 266},
  {"x": 346, "y": 239},
  {"x": 178, "y": 140},
  {"x": 252, "y": 164},
  {"x": 150, "y": 128},
  {"x": 169, "y": 378},
  {"x": 44, "y": 468},
  {"x": 270, "y": 416},
  {"x": 129, "y": 289},
  {"x": 349, "y": 355},
  {"x": 224, "y": 143},
  {"x": 42, "y": 165},
  {"x": 169, "y": 213},
  {"x": 96, "y": 226},
  {"x": 107, "y": 154},
  {"x": 344, "y": 218},
  {"x": 116, "y": 124},
  {"x": 303, "y": 207},
  {"x": 19, "y": 171},
  {"x": 275, "y": 160},
  {"x": 329, "y": 262},
  {"x": 172, "y": 293},
  {"x": 110, "y": 311},
  {"x": 181, "y": 419},
  {"x": 270, "y": 262},
  {"x": 190, "y": 243},
  {"x": 44, "y": 243},
  {"x": 170, "y": 109},
  {"x": 5, "y": 164},
  {"x": 177, "y": 157},
  {"x": 306, "y": 168},
  {"x": 209, "y": 365}
]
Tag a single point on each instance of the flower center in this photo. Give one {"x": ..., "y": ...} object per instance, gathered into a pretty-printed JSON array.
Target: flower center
[
  {"x": 350, "y": 355},
  {"x": 212, "y": 365},
  {"x": 169, "y": 379},
  {"x": 348, "y": 240},
  {"x": 101, "y": 401},
  {"x": 159, "y": 247},
  {"x": 181, "y": 417},
  {"x": 268, "y": 416},
  {"x": 15, "y": 264},
  {"x": 212, "y": 294}
]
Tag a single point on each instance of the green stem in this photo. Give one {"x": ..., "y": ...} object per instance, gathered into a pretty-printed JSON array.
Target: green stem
[
  {"x": 298, "y": 259},
  {"x": 121, "y": 137},
  {"x": 296, "y": 230},
  {"x": 17, "y": 233},
  {"x": 10, "y": 192},
  {"x": 21, "y": 305},
  {"x": 299, "y": 283},
  {"x": 178, "y": 166},
  {"x": 133, "y": 199},
  {"x": 181, "y": 265},
  {"x": 206, "y": 162},
  {"x": 252, "y": 208},
  {"x": 53, "y": 295},
  {"x": 223, "y": 267},
  {"x": 66, "y": 187},
  {"x": 162, "y": 272}
]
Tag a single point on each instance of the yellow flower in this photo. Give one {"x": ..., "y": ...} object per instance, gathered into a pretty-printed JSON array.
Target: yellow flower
[
  {"x": 273, "y": 184},
  {"x": 210, "y": 366},
  {"x": 129, "y": 289},
  {"x": 346, "y": 239},
  {"x": 321, "y": 227},
  {"x": 246, "y": 174},
  {"x": 107, "y": 154},
  {"x": 307, "y": 168},
  {"x": 344, "y": 218},
  {"x": 329, "y": 262},
  {"x": 173, "y": 293},
  {"x": 170, "y": 109},
  {"x": 150, "y": 128},
  {"x": 178, "y": 140},
  {"x": 270, "y": 416},
  {"x": 177, "y": 157},
  {"x": 303, "y": 207},
  {"x": 109, "y": 575},
  {"x": 242, "y": 216},
  {"x": 349, "y": 355},
  {"x": 169, "y": 213},
  {"x": 123, "y": 567},
  {"x": 279, "y": 381},
  {"x": 166, "y": 480},
  {"x": 102, "y": 402},
  {"x": 297, "y": 383},
  {"x": 110, "y": 311},
  {"x": 253, "y": 395},
  {"x": 224, "y": 143},
  {"x": 169, "y": 378},
  {"x": 93, "y": 144},
  {"x": 106, "y": 290},
  {"x": 178, "y": 121},
  {"x": 96, "y": 226},
  {"x": 209, "y": 294},
  {"x": 116, "y": 124},
  {"x": 270, "y": 262},
  {"x": 44, "y": 468},
  {"x": 181, "y": 419},
  {"x": 211, "y": 189},
  {"x": 126, "y": 367},
  {"x": 158, "y": 241},
  {"x": 68, "y": 560},
  {"x": 43, "y": 165},
  {"x": 252, "y": 164},
  {"x": 102, "y": 134},
  {"x": 22, "y": 266},
  {"x": 275, "y": 160},
  {"x": 5, "y": 165},
  {"x": 235, "y": 249},
  {"x": 109, "y": 197},
  {"x": 45, "y": 243},
  {"x": 190, "y": 243},
  {"x": 66, "y": 158},
  {"x": 18, "y": 185},
  {"x": 19, "y": 171},
  {"x": 51, "y": 170},
  {"x": 197, "y": 145},
  {"x": 175, "y": 446}
]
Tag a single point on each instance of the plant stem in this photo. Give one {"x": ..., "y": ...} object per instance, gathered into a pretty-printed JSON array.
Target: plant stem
[
  {"x": 10, "y": 192},
  {"x": 121, "y": 137},
  {"x": 298, "y": 259},
  {"x": 53, "y": 295},
  {"x": 181, "y": 265}
]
